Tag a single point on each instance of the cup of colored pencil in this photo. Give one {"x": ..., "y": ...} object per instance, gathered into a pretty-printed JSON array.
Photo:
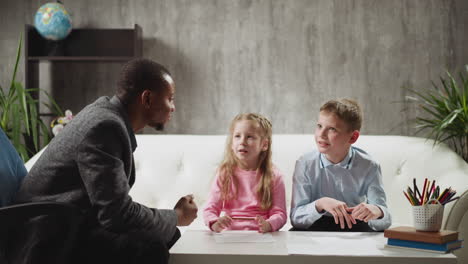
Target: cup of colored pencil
[
  {"x": 428, "y": 204},
  {"x": 430, "y": 193}
]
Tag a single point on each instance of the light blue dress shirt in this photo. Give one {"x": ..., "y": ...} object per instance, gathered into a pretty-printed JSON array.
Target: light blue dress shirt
[{"x": 354, "y": 180}]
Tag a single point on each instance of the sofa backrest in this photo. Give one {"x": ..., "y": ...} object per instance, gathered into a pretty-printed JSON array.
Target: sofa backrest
[{"x": 170, "y": 166}]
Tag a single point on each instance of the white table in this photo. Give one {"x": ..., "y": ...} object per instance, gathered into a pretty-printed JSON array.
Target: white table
[{"x": 200, "y": 247}]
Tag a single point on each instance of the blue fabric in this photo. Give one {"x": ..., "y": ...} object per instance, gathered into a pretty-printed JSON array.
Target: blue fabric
[
  {"x": 12, "y": 170},
  {"x": 354, "y": 180}
]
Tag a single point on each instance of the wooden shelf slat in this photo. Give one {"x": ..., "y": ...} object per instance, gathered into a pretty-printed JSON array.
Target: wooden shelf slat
[{"x": 80, "y": 58}]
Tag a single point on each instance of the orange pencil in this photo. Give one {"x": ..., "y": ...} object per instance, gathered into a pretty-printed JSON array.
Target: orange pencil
[{"x": 426, "y": 197}]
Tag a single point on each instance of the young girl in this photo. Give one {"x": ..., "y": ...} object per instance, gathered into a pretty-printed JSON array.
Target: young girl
[{"x": 248, "y": 189}]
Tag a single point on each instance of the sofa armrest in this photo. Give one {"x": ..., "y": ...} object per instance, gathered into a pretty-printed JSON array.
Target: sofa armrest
[{"x": 457, "y": 220}]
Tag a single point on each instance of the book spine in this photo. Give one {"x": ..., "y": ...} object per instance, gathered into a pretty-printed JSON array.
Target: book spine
[
  {"x": 419, "y": 249},
  {"x": 413, "y": 236},
  {"x": 420, "y": 245}
]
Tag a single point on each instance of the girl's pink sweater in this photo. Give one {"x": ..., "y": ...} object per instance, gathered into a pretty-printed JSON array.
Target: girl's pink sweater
[{"x": 247, "y": 204}]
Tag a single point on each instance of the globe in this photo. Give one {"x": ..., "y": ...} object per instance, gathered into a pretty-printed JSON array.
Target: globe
[{"x": 53, "y": 22}]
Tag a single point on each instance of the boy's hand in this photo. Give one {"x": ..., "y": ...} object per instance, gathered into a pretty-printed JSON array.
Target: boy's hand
[
  {"x": 222, "y": 223},
  {"x": 336, "y": 208},
  {"x": 263, "y": 225},
  {"x": 366, "y": 212},
  {"x": 186, "y": 210}
]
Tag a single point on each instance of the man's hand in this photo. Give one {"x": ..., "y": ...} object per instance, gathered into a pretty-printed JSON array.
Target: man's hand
[
  {"x": 366, "y": 212},
  {"x": 338, "y": 209},
  {"x": 186, "y": 210},
  {"x": 222, "y": 223},
  {"x": 263, "y": 225}
]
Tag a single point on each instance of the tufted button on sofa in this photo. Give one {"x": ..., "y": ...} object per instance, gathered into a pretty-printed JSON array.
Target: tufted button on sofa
[{"x": 170, "y": 166}]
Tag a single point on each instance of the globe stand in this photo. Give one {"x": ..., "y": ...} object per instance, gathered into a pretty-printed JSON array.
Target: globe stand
[{"x": 55, "y": 48}]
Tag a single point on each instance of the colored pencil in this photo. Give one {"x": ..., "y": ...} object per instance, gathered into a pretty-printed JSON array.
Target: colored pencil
[
  {"x": 442, "y": 194},
  {"x": 416, "y": 190},
  {"x": 428, "y": 187},
  {"x": 451, "y": 194},
  {"x": 424, "y": 192},
  {"x": 445, "y": 196},
  {"x": 451, "y": 200},
  {"x": 431, "y": 190},
  {"x": 411, "y": 195},
  {"x": 407, "y": 197}
]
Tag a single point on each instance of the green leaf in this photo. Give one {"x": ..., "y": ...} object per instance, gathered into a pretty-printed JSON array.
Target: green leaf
[
  {"x": 16, "y": 131},
  {"x": 55, "y": 109},
  {"x": 23, "y": 152},
  {"x": 34, "y": 121},
  {"x": 449, "y": 119},
  {"x": 15, "y": 69},
  {"x": 432, "y": 112},
  {"x": 2, "y": 97},
  {"x": 45, "y": 133},
  {"x": 23, "y": 104}
]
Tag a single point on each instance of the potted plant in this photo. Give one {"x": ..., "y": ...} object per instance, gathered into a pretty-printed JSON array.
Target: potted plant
[
  {"x": 19, "y": 116},
  {"x": 445, "y": 110}
]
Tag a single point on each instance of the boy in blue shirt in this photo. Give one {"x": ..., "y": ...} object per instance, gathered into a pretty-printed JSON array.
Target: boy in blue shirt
[{"x": 338, "y": 187}]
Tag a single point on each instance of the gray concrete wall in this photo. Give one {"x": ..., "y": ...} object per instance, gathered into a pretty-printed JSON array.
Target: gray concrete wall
[{"x": 282, "y": 58}]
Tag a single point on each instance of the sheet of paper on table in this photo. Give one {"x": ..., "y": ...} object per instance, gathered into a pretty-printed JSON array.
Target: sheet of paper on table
[
  {"x": 345, "y": 245},
  {"x": 243, "y": 237}
]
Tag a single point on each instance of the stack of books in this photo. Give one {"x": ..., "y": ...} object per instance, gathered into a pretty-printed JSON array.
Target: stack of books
[{"x": 407, "y": 237}]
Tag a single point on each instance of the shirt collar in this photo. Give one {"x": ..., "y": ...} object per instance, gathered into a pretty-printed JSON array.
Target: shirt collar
[
  {"x": 346, "y": 163},
  {"x": 116, "y": 101}
]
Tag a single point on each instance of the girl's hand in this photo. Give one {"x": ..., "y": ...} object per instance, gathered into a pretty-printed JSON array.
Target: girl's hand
[
  {"x": 366, "y": 212},
  {"x": 222, "y": 223},
  {"x": 263, "y": 225}
]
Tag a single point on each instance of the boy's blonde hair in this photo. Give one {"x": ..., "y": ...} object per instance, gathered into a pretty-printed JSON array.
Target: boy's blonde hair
[
  {"x": 347, "y": 110},
  {"x": 265, "y": 167}
]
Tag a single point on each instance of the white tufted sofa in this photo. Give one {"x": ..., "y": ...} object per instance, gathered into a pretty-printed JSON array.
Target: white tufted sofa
[{"x": 170, "y": 166}]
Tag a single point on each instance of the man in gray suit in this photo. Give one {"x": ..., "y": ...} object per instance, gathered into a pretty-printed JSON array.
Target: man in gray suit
[{"x": 90, "y": 164}]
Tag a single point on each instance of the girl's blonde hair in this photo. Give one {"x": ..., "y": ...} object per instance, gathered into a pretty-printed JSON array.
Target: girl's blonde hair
[{"x": 265, "y": 167}]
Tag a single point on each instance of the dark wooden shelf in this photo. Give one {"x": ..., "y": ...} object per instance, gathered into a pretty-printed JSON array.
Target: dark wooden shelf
[
  {"x": 80, "y": 58},
  {"x": 46, "y": 114},
  {"x": 82, "y": 45},
  {"x": 86, "y": 42}
]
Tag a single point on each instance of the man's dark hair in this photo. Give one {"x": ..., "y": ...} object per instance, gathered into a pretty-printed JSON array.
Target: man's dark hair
[{"x": 138, "y": 75}]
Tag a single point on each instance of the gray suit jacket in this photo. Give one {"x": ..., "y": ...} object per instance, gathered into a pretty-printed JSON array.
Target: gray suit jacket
[{"x": 90, "y": 164}]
